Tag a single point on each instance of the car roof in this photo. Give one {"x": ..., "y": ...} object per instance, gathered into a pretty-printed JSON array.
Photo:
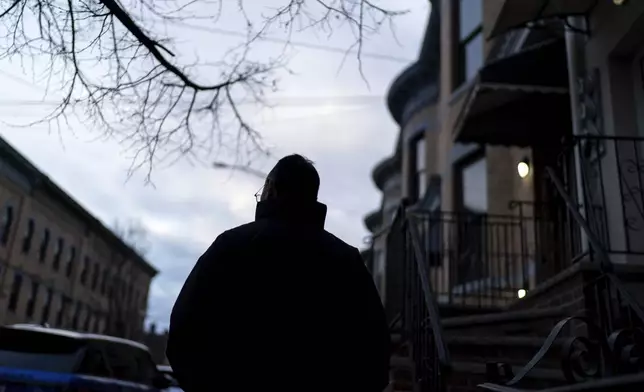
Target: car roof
[{"x": 76, "y": 335}]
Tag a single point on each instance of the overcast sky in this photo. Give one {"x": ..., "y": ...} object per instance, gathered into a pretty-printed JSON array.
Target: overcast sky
[{"x": 190, "y": 204}]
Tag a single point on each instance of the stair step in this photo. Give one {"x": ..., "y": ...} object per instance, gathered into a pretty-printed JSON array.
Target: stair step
[
  {"x": 467, "y": 375},
  {"x": 537, "y": 322},
  {"x": 516, "y": 351},
  {"x": 401, "y": 362}
]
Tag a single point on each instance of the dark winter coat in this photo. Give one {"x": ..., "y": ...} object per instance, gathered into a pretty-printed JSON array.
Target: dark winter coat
[{"x": 280, "y": 304}]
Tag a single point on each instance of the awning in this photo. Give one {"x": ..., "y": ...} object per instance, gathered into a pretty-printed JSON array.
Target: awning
[
  {"x": 517, "y": 13},
  {"x": 521, "y": 100}
]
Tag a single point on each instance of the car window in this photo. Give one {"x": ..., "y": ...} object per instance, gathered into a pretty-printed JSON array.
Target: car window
[
  {"x": 121, "y": 361},
  {"x": 35, "y": 350},
  {"x": 94, "y": 364},
  {"x": 130, "y": 363}
]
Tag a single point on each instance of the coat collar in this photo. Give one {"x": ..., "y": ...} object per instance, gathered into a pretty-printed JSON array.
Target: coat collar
[{"x": 309, "y": 214}]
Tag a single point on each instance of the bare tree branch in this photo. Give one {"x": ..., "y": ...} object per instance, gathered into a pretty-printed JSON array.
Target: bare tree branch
[{"x": 113, "y": 72}]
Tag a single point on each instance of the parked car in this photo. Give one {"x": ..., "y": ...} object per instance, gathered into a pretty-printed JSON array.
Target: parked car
[
  {"x": 166, "y": 370},
  {"x": 41, "y": 359}
]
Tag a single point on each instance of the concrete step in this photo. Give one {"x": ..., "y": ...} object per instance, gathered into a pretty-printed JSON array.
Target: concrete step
[
  {"x": 516, "y": 351},
  {"x": 467, "y": 376},
  {"x": 537, "y": 322}
]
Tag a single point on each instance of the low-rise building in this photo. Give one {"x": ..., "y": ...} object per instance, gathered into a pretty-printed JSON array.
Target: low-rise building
[{"x": 61, "y": 266}]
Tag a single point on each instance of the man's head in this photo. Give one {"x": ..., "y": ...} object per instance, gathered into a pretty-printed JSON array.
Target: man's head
[{"x": 293, "y": 178}]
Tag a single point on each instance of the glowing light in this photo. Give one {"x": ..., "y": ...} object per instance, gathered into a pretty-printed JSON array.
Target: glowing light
[
  {"x": 523, "y": 168},
  {"x": 619, "y": 2},
  {"x": 521, "y": 293}
]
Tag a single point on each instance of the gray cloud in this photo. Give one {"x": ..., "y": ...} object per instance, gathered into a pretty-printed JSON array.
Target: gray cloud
[{"x": 191, "y": 204}]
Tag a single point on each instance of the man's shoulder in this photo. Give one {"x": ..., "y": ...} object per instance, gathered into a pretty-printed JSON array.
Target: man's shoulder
[{"x": 339, "y": 244}]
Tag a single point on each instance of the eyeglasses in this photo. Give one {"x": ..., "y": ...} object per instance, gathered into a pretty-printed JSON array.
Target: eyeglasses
[{"x": 258, "y": 194}]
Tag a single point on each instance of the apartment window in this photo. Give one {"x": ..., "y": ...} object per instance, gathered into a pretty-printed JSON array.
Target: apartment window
[
  {"x": 472, "y": 175},
  {"x": 88, "y": 320},
  {"x": 5, "y": 225},
  {"x": 85, "y": 271},
  {"x": 105, "y": 281},
  {"x": 96, "y": 273},
  {"x": 76, "y": 317},
  {"x": 470, "y": 38},
  {"x": 60, "y": 317},
  {"x": 31, "y": 305},
  {"x": 29, "y": 236},
  {"x": 58, "y": 253},
  {"x": 70, "y": 261},
  {"x": 44, "y": 244},
  {"x": 15, "y": 292},
  {"x": 47, "y": 308}
]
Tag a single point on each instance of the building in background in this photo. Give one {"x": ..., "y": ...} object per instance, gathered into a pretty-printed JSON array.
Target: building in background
[{"x": 61, "y": 266}]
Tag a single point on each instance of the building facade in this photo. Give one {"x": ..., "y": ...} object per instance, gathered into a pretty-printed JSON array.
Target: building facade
[
  {"x": 522, "y": 164},
  {"x": 58, "y": 264}
]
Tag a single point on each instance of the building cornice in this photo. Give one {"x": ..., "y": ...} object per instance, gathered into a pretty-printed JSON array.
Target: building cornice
[
  {"x": 385, "y": 169},
  {"x": 373, "y": 220},
  {"x": 41, "y": 182},
  {"x": 414, "y": 82}
]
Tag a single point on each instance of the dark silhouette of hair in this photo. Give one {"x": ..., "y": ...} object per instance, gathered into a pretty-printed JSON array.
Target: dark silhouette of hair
[{"x": 294, "y": 178}]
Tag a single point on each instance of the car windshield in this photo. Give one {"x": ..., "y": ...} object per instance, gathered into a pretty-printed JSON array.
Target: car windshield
[{"x": 35, "y": 350}]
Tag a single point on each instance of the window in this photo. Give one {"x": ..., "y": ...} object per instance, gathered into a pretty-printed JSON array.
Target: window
[
  {"x": 15, "y": 292},
  {"x": 104, "y": 281},
  {"x": 32, "y": 350},
  {"x": 421, "y": 183},
  {"x": 47, "y": 308},
  {"x": 5, "y": 225},
  {"x": 85, "y": 271},
  {"x": 470, "y": 38},
  {"x": 70, "y": 261},
  {"x": 32, "y": 300},
  {"x": 58, "y": 253},
  {"x": 77, "y": 311},
  {"x": 95, "y": 275},
  {"x": 44, "y": 244},
  {"x": 94, "y": 364},
  {"x": 418, "y": 183},
  {"x": 88, "y": 320},
  {"x": 29, "y": 236},
  {"x": 474, "y": 186},
  {"x": 60, "y": 317}
]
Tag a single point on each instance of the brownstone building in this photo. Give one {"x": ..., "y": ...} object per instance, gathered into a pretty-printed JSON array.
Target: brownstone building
[
  {"x": 61, "y": 266},
  {"x": 520, "y": 230}
]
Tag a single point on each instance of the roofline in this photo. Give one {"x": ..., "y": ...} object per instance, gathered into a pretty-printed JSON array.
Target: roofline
[
  {"x": 421, "y": 73},
  {"x": 385, "y": 169},
  {"x": 373, "y": 219},
  {"x": 40, "y": 180}
]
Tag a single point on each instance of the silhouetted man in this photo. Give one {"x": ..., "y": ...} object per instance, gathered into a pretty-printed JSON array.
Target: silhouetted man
[{"x": 280, "y": 304}]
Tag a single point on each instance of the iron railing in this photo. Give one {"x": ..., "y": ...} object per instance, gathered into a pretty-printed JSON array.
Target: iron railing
[
  {"x": 604, "y": 176},
  {"x": 612, "y": 338},
  {"x": 477, "y": 260},
  {"x": 421, "y": 322}
]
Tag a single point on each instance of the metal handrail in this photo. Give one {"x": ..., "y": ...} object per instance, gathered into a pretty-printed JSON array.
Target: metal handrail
[
  {"x": 430, "y": 302},
  {"x": 605, "y": 263}
]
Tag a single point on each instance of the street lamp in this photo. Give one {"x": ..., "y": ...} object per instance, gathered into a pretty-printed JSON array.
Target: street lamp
[{"x": 242, "y": 168}]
